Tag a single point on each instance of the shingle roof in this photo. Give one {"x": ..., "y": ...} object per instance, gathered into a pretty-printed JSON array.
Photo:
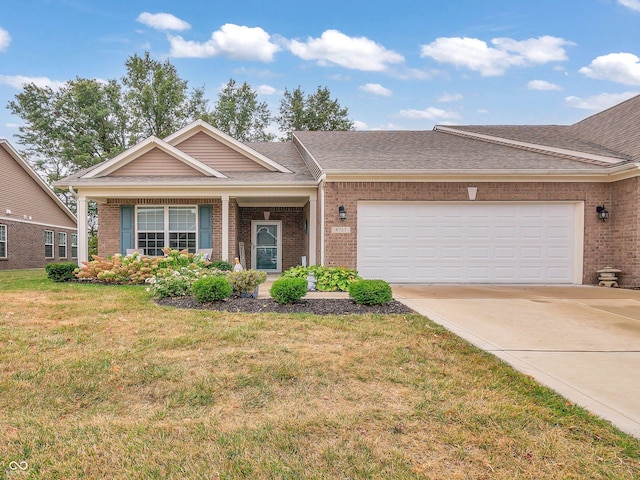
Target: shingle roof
[{"x": 423, "y": 150}]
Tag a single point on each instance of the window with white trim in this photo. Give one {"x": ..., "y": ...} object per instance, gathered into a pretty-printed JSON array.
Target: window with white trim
[
  {"x": 74, "y": 245},
  {"x": 173, "y": 227},
  {"x": 62, "y": 244},
  {"x": 48, "y": 244},
  {"x": 3, "y": 241}
]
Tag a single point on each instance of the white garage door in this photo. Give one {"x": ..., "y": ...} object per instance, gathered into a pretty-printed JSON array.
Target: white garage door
[{"x": 467, "y": 242}]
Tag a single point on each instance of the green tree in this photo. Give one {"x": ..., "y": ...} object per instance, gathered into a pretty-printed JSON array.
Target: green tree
[
  {"x": 159, "y": 101},
  {"x": 239, "y": 114},
  {"x": 72, "y": 128},
  {"x": 315, "y": 112}
]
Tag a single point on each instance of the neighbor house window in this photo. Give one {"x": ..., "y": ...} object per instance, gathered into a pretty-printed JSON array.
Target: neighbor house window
[
  {"x": 48, "y": 244},
  {"x": 62, "y": 245},
  {"x": 3, "y": 241},
  {"x": 159, "y": 227},
  {"x": 74, "y": 245}
]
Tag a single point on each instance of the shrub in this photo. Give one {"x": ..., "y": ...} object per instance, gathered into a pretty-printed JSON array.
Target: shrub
[
  {"x": 175, "y": 283},
  {"x": 61, "y": 272},
  {"x": 131, "y": 269},
  {"x": 221, "y": 265},
  {"x": 288, "y": 290},
  {"x": 370, "y": 292},
  {"x": 246, "y": 281},
  {"x": 328, "y": 279},
  {"x": 211, "y": 289}
]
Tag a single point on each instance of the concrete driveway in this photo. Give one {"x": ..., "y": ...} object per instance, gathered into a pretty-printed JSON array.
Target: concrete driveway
[{"x": 583, "y": 342}]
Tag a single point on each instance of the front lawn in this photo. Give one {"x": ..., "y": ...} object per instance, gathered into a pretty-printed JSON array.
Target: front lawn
[{"x": 99, "y": 382}]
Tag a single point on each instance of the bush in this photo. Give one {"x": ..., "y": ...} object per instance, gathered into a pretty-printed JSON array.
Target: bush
[
  {"x": 328, "y": 279},
  {"x": 221, "y": 265},
  {"x": 130, "y": 269},
  {"x": 61, "y": 272},
  {"x": 370, "y": 292},
  {"x": 211, "y": 289},
  {"x": 288, "y": 290},
  {"x": 168, "y": 282},
  {"x": 246, "y": 281}
]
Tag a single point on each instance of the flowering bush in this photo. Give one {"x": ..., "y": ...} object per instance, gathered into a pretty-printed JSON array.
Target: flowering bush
[
  {"x": 175, "y": 283},
  {"x": 175, "y": 259},
  {"x": 246, "y": 281},
  {"x": 131, "y": 269}
]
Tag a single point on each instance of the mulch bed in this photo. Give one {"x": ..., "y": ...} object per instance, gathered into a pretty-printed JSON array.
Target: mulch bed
[{"x": 318, "y": 306}]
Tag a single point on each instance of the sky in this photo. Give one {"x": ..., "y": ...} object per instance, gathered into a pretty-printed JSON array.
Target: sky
[{"x": 401, "y": 65}]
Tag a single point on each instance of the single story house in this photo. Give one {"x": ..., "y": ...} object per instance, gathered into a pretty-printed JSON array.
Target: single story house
[
  {"x": 543, "y": 204},
  {"x": 36, "y": 228}
]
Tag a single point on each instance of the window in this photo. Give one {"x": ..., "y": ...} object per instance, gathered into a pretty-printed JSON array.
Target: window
[
  {"x": 74, "y": 245},
  {"x": 62, "y": 245},
  {"x": 3, "y": 241},
  {"x": 48, "y": 244},
  {"x": 159, "y": 227}
]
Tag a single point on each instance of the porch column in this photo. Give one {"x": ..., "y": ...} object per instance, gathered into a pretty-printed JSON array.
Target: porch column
[
  {"x": 313, "y": 221},
  {"x": 83, "y": 232},
  {"x": 225, "y": 228}
]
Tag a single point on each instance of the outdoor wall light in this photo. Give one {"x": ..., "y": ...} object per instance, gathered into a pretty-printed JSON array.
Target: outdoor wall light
[
  {"x": 603, "y": 213},
  {"x": 342, "y": 213}
]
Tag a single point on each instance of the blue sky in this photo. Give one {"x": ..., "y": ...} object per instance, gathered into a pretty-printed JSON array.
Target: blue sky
[{"x": 407, "y": 64}]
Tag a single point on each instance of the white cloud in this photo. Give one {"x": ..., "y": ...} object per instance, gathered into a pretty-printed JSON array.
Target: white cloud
[
  {"x": 599, "y": 102},
  {"x": 358, "y": 125},
  {"x": 5, "y": 39},
  {"x": 631, "y": 4},
  {"x": 12, "y": 125},
  {"x": 617, "y": 67},
  {"x": 18, "y": 81},
  {"x": 429, "y": 113},
  {"x": 543, "y": 85},
  {"x": 449, "y": 97},
  {"x": 267, "y": 90},
  {"x": 476, "y": 55},
  {"x": 357, "y": 53},
  {"x": 162, "y": 21},
  {"x": 235, "y": 41},
  {"x": 376, "y": 89}
]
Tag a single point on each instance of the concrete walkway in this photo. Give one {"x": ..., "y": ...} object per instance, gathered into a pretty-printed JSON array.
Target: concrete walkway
[{"x": 583, "y": 342}]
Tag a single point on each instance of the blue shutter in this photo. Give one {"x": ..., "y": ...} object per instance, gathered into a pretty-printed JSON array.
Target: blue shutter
[
  {"x": 205, "y": 232},
  {"x": 126, "y": 228}
]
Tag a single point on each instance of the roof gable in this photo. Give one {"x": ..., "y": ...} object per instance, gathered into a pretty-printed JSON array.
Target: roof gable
[
  {"x": 24, "y": 195},
  {"x": 110, "y": 167},
  {"x": 200, "y": 126}
]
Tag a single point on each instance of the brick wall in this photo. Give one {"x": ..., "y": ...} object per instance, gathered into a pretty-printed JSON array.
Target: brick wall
[
  {"x": 25, "y": 245},
  {"x": 621, "y": 232},
  {"x": 109, "y": 221},
  {"x": 293, "y": 236},
  {"x": 601, "y": 247}
]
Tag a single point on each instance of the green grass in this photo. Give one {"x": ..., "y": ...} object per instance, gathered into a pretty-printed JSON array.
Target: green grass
[{"x": 99, "y": 382}]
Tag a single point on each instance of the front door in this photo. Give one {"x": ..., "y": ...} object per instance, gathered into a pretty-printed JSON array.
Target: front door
[{"x": 266, "y": 240}]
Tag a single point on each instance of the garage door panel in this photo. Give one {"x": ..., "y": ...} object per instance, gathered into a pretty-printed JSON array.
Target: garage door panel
[{"x": 466, "y": 242}]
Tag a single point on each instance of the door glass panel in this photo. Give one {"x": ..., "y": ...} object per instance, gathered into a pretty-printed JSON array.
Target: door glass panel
[{"x": 267, "y": 246}]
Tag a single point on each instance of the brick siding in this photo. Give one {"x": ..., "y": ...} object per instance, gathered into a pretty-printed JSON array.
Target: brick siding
[
  {"x": 614, "y": 242},
  {"x": 25, "y": 245}
]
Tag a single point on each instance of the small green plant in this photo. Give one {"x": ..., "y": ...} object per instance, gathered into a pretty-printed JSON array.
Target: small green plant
[
  {"x": 221, "y": 265},
  {"x": 328, "y": 279},
  {"x": 175, "y": 283},
  {"x": 370, "y": 292},
  {"x": 288, "y": 290},
  {"x": 211, "y": 289},
  {"x": 61, "y": 272},
  {"x": 246, "y": 282}
]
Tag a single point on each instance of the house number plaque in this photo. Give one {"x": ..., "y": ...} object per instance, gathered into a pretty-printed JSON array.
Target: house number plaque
[{"x": 340, "y": 229}]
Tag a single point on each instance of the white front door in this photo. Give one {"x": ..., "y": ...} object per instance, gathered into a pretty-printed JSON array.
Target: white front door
[{"x": 266, "y": 243}]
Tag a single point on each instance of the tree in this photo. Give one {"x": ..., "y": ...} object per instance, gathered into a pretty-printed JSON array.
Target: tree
[
  {"x": 239, "y": 114},
  {"x": 158, "y": 99},
  {"x": 72, "y": 128},
  {"x": 315, "y": 112}
]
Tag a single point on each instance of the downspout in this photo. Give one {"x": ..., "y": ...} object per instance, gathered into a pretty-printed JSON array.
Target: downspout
[{"x": 321, "y": 186}]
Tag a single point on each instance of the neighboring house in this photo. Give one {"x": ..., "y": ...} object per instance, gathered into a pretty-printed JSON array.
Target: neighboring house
[
  {"x": 501, "y": 204},
  {"x": 36, "y": 228}
]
